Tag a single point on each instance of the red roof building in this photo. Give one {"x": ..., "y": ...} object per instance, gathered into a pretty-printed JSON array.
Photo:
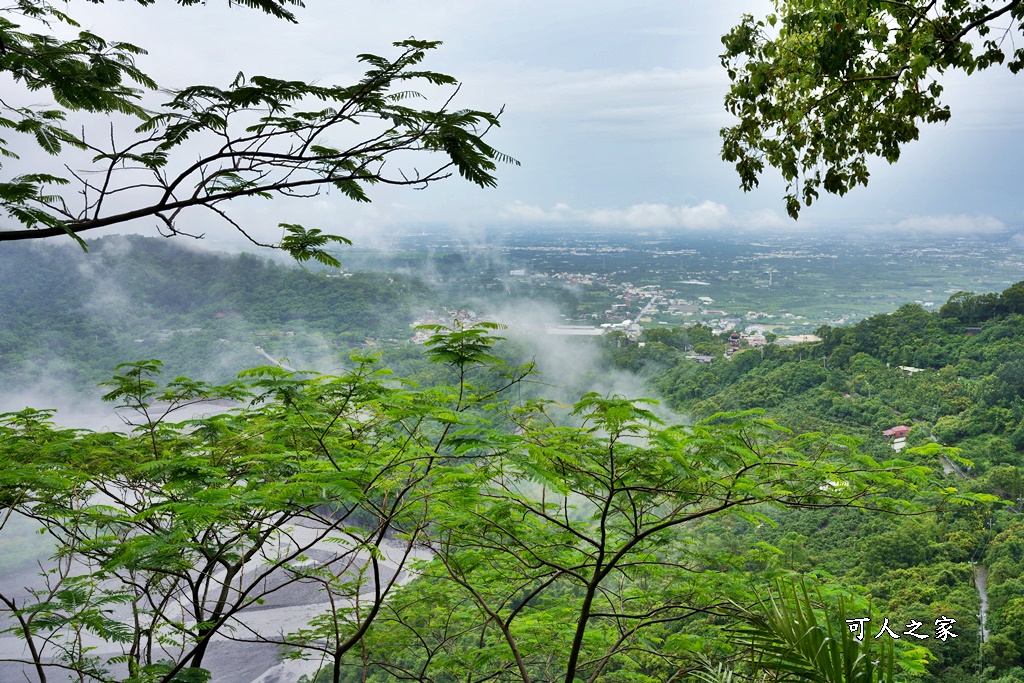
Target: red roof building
[{"x": 897, "y": 432}]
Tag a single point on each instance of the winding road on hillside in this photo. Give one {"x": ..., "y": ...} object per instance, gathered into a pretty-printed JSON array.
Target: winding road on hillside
[{"x": 280, "y": 364}]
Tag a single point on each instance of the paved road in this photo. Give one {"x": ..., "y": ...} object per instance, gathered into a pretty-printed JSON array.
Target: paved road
[
  {"x": 646, "y": 308},
  {"x": 981, "y": 583},
  {"x": 950, "y": 467},
  {"x": 273, "y": 360}
]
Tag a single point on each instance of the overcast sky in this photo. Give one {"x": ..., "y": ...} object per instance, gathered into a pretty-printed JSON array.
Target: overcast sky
[{"x": 613, "y": 108}]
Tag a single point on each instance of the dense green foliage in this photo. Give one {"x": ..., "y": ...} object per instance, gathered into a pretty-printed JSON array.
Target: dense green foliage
[
  {"x": 557, "y": 551},
  {"x": 791, "y": 637},
  {"x": 819, "y": 85},
  {"x": 956, "y": 378},
  {"x": 971, "y": 308},
  {"x": 967, "y": 394}
]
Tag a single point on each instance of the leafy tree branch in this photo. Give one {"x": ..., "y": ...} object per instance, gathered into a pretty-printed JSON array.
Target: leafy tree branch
[
  {"x": 206, "y": 146},
  {"x": 818, "y": 87}
]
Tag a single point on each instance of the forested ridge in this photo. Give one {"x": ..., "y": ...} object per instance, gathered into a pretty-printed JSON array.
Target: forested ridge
[
  {"x": 955, "y": 377},
  {"x": 202, "y": 313}
]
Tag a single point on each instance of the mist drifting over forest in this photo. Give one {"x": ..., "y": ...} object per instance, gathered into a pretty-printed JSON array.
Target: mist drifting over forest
[{"x": 578, "y": 342}]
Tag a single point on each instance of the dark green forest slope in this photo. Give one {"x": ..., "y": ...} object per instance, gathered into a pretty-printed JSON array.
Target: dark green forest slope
[
  {"x": 954, "y": 377},
  {"x": 202, "y": 313}
]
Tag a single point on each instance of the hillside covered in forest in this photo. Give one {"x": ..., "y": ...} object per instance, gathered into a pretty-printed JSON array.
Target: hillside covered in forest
[
  {"x": 77, "y": 315},
  {"x": 955, "y": 378}
]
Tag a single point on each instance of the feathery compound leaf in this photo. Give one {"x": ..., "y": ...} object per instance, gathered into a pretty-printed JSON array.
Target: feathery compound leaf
[{"x": 305, "y": 244}]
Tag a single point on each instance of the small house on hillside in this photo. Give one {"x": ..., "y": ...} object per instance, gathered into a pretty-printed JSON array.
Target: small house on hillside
[{"x": 897, "y": 432}]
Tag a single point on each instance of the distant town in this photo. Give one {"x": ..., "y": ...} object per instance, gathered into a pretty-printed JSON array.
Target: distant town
[{"x": 603, "y": 282}]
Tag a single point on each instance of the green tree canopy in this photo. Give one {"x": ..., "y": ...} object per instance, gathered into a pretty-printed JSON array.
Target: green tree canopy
[
  {"x": 821, "y": 85},
  {"x": 553, "y": 551}
]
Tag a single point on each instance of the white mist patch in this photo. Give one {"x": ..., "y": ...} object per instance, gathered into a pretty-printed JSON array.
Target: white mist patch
[
  {"x": 106, "y": 295},
  {"x": 570, "y": 366},
  {"x": 950, "y": 224},
  {"x": 50, "y": 391},
  {"x": 89, "y": 411}
]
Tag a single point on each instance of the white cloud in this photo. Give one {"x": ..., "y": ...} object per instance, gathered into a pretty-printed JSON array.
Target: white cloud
[
  {"x": 950, "y": 224},
  {"x": 706, "y": 215},
  {"x": 608, "y": 103},
  {"x": 521, "y": 211},
  {"x": 767, "y": 219}
]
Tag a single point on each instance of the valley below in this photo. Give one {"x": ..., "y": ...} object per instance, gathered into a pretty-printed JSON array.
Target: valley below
[{"x": 467, "y": 379}]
